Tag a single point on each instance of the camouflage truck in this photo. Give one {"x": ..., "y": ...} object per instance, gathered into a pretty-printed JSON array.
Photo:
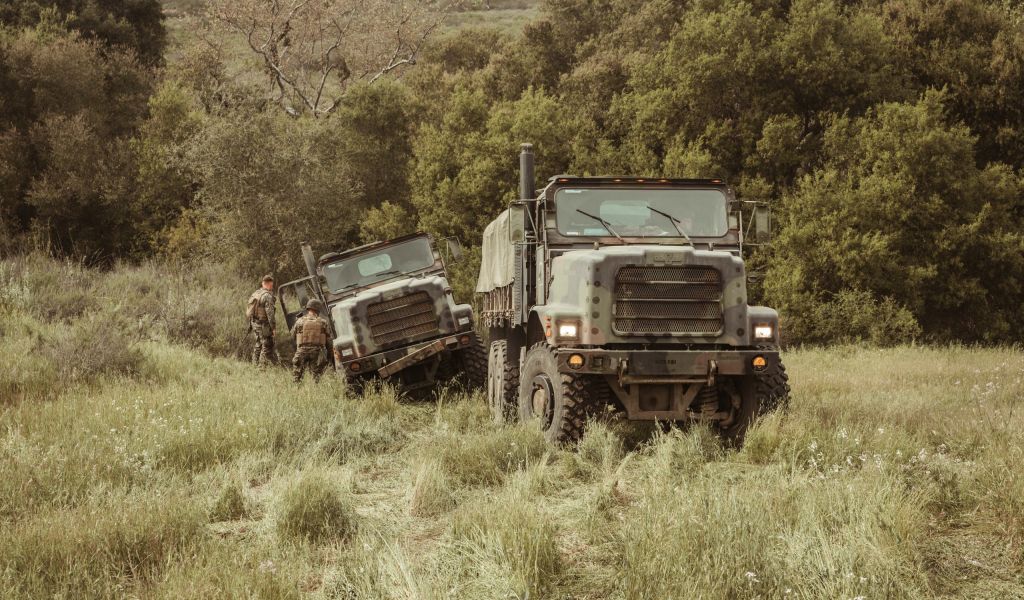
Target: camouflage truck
[
  {"x": 604, "y": 293},
  {"x": 392, "y": 313}
]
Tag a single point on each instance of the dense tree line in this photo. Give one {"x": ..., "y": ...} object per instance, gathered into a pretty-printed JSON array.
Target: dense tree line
[{"x": 887, "y": 135}]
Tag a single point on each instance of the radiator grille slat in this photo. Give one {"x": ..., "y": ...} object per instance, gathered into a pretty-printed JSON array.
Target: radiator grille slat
[
  {"x": 684, "y": 300},
  {"x": 400, "y": 319}
]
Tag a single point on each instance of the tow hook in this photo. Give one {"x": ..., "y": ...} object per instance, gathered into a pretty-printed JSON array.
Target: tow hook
[{"x": 712, "y": 372}]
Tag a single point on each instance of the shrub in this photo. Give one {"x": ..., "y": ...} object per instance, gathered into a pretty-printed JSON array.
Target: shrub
[
  {"x": 94, "y": 346},
  {"x": 313, "y": 510}
]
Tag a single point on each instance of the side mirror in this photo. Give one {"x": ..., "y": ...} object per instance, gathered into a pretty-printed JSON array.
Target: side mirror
[
  {"x": 454, "y": 249},
  {"x": 762, "y": 224}
]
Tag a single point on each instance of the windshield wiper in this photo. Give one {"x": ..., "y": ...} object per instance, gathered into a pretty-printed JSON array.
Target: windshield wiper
[
  {"x": 606, "y": 224},
  {"x": 675, "y": 223},
  {"x": 359, "y": 283}
]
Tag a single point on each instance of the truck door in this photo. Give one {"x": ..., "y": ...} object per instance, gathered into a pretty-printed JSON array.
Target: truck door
[{"x": 293, "y": 297}]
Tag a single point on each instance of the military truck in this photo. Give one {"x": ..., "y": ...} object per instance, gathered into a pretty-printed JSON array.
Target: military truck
[
  {"x": 626, "y": 293},
  {"x": 392, "y": 313}
]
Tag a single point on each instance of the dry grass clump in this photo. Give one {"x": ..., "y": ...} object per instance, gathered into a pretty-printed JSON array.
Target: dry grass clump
[
  {"x": 313, "y": 509},
  {"x": 231, "y": 504},
  {"x": 432, "y": 493},
  {"x": 597, "y": 454},
  {"x": 93, "y": 550},
  {"x": 485, "y": 457},
  {"x": 505, "y": 547}
]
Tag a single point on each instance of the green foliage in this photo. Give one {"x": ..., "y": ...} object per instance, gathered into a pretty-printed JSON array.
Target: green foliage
[
  {"x": 65, "y": 141},
  {"x": 133, "y": 24},
  {"x": 900, "y": 228}
]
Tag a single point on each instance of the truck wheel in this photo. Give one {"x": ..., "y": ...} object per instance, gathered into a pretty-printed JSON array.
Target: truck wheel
[
  {"x": 474, "y": 365},
  {"x": 560, "y": 402},
  {"x": 502, "y": 383},
  {"x": 773, "y": 387},
  {"x": 760, "y": 394}
]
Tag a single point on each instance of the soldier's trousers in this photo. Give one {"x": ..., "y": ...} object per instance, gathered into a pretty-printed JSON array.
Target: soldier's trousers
[
  {"x": 308, "y": 357},
  {"x": 263, "y": 351}
]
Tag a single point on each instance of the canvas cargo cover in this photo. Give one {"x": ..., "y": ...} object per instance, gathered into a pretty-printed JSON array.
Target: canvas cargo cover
[{"x": 497, "y": 264}]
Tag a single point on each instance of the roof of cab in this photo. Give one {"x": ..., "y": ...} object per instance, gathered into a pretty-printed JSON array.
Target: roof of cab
[{"x": 330, "y": 256}]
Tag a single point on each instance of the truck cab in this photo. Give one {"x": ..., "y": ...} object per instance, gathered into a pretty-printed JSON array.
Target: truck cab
[{"x": 393, "y": 313}]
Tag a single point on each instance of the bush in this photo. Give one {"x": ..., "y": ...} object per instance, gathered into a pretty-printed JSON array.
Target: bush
[
  {"x": 313, "y": 510},
  {"x": 94, "y": 346}
]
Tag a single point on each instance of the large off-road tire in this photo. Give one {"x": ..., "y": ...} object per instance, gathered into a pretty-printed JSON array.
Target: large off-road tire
[
  {"x": 502, "y": 383},
  {"x": 773, "y": 388},
  {"x": 560, "y": 403},
  {"x": 760, "y": 394},
  {"x": 473, "y": 361}
]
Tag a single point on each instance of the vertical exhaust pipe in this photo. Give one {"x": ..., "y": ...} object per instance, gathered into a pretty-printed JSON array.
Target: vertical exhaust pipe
[
  {"x": 307, "y": 257},
  {"x": 526, "y": 176}
]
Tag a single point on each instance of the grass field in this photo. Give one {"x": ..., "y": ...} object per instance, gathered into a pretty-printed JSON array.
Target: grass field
[{"x": 135, "y": 465}]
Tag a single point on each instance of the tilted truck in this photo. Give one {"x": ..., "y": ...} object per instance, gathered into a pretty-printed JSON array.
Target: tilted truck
[
  {"x": 627, "y": 293},
  {"x": 392, "y": 313}
]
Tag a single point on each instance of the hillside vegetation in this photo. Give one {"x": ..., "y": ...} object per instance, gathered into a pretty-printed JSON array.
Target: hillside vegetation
[
  {"x": 134, "y": 462},
  {"x": 887, "y": 136}
]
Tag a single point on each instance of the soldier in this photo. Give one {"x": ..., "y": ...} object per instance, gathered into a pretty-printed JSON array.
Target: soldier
[
  {"x": 310, "y": 333},
  {"x": 260, "y": 312}
]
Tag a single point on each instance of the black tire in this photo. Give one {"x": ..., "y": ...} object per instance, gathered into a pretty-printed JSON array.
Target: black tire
[
  {"x": 760, "y": 394},
  {"x": 473, "y": 361},
  {"x": 502, "y": 383},
  {"x": 564, "y": 398},
  {"x": 773, "y": 389}
]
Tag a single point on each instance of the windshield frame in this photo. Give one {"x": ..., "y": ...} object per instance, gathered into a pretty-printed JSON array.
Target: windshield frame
[
  {"x": 556, "y": 234},
  {"x": 353, "y": 260}
]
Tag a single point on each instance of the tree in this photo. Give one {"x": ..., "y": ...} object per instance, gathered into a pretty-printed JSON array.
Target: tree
[
  {"x": 313, "y": 51},
  {"x": 901, "y": 217},
  {"x": 136, "y": 25}
]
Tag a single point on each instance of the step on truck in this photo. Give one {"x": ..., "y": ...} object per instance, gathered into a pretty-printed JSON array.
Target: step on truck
[
  {"x": 627, "y": 294},
  {"x": 392, "y": 313}
]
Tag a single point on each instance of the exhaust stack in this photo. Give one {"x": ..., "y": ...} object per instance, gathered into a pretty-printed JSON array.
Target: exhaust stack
[
  {"x": 307, "y": 257},
  {"x": 526, "y": 176}
]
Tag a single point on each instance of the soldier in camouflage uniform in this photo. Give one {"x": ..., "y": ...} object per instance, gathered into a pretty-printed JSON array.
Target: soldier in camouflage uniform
[
  {"x": 310, "y": 333},
  {"x": 260, "y": 312}
]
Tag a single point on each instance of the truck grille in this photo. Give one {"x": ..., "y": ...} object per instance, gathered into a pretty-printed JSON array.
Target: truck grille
[
  {"x": 668, "y": 301},
  {"x": 402, "y": 319}
]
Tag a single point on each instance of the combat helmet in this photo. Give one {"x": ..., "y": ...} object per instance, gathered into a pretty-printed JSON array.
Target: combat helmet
[{"x": 315, "y": 304}]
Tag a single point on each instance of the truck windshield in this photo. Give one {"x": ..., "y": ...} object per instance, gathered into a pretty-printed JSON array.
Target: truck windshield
[
  {"x": 378, "y": 265},
  {"x": 640, "y": 212}
]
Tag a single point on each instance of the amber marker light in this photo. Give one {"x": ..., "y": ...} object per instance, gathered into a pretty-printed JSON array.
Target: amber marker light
[
  {"x": 464, "y": 340},
  {"x": 354, "y": 367},
  {"x": 759, "y": 363},
  {"x": 576, "y": 361}
]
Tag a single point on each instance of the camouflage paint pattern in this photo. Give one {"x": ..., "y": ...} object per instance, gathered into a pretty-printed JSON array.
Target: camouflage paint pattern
[
  {"x": 581, "y": 290},
  {"x": 351, "y": 319}
]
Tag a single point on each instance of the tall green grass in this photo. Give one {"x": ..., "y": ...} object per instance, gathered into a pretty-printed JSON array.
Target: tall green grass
[{"x": 896, "y": 473}]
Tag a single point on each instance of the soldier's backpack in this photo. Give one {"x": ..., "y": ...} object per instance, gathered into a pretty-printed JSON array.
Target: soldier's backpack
[
  {"x": 255, "y": 309},
  {"x": 313, "y": 332}
]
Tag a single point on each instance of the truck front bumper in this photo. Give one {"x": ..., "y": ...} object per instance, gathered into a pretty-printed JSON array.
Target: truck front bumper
[
  {"x": 666, "y": 366},
  {"x": 390, "y": 362},
  {"x": 663, "y": 384}
]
